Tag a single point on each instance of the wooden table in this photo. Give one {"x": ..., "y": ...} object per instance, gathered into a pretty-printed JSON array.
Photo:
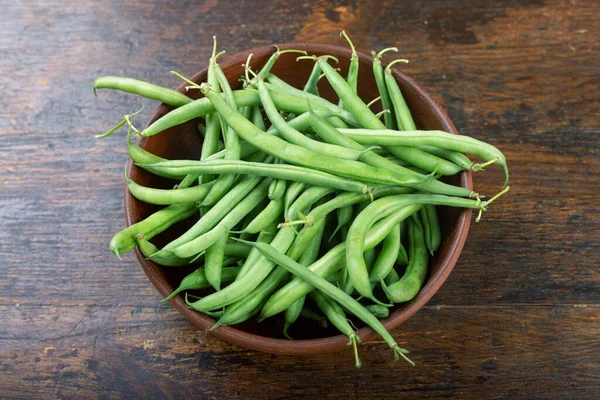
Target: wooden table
[{"x": 518, "y": 317}]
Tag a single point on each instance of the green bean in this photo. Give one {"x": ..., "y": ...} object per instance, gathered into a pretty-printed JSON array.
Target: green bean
[
  {"x": 150, "y": 252},
  {"x": 210, "y": 143},
  {"x": 283, "y": 171},
  {"x": 197, "y": 280},
  {"x": 306, "y": 200},
  {"x": 441, "y": 139},
  {"x": 141, "y": 88},
  {"x": 271, "y": 61},
  {"x": 266, "y": 217},
  {"x": 234, "y": 216},
  {"x": 456, "y": 157},
  {"x": 392, "y": 277},
  {"x": 309, "y": 256},
  {"x": 402, "y": 258},
  {"x": 330, "y": 263},
  {"x": 291, "y": 193},
  {"x": 156, "y": 223},
  {"x": 293, "y": 136},
  {"x": 166, "y": 197},
  {"x": 432, "y": 230},
  {"x": 402, "y": 112},
  {"x": 410, "y": 284},
  {"x": 277, "y": 188},
  {"x": 352, "y": 77},
  {"x": 387, "y": 256},
  {"x": 333, "y": 135},
  {"x": 378, "y": 311},
  {"x": 291, "y": 315},
  {"x": 357, "y": 268},
  {"x": 332, "y": 291},
  {"x": 344, "y": 216},
  {"x": 217, "y": 212},
  {"x": 257, "y": 118},
  {"x": 313, "y": 80},
  {"x": 267, "y": 236},
  {"x": 214, "y": 262},
  {"x": 336, "y": 315},
  {"x": 380, "y": 81},
  {"x": 259, "y": 270}
]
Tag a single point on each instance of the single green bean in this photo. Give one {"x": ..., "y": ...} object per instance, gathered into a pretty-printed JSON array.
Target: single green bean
[
  {"x": 168, "y": 196},
  {"x": 214, "y": 262},
  {"x": 387, "y": 256},
  {"x": 291, "y": 193},
  {"x": 154, "y": 224},
  {"x": 378, "y": 311},
  {"x": 266, "y": 217},
  {"x": 410, "y": 284},
  {"x": 306, "y": 200},
  {"x": 168, "y": 260},
  {"x": 383, "y": 92},
  {"x": 141, "y": 88}
]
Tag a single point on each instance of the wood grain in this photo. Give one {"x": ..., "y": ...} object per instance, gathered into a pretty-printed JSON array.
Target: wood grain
[{"x": 518, "y": 317}]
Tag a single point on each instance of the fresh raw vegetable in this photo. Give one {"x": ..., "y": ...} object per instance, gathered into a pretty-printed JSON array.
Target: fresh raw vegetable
[{"x": 299, "y": 206}]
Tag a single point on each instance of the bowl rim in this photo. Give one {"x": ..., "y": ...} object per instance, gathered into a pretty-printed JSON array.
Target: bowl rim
[{"x": 333, "y": 343}]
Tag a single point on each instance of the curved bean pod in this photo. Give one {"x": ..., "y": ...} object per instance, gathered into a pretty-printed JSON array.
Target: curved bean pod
[
  {"x": 141, "y": 88},
  {"x": 156, "y": 223},
  {"x": 409, "y": 285}
]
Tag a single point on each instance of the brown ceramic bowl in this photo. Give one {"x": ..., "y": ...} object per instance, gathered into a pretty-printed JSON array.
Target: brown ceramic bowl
[{"x": 183, "y": 142}]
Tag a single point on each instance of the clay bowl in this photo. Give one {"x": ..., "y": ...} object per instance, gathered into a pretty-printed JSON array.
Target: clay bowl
[{"x": 183, "y": 142}]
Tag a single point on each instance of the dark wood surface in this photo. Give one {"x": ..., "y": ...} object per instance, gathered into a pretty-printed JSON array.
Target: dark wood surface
[{"x": 519, "y": 315}]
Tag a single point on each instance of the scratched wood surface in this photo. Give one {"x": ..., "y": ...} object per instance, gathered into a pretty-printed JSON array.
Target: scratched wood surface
[{"x": 518, "y": 317}]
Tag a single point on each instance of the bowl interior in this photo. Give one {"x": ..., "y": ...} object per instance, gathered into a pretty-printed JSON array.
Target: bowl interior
[{"x": 184, "y": 142}]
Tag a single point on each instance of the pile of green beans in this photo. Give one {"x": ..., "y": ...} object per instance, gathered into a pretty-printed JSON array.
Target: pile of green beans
[{"x": 300, "y": 207}]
